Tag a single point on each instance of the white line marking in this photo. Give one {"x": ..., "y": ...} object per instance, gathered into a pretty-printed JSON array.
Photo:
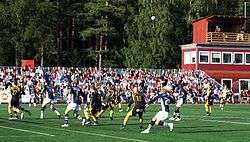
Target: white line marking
[
  {"x": 20, "y": 136},
  {"x": 231, "y": 122},
  {"x": 88, "y": 133},
  {"x": 96, "y": 134},
  {"x": 28, "y": 131},
  {"x": 223, "y": 117}
]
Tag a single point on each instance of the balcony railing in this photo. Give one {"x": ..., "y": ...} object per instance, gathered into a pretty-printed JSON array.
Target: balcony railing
[{"x": 226, "y": 37}]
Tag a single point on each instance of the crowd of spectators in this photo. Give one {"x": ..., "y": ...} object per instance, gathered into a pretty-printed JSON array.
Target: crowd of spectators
[{"x": 153, "y": 80}]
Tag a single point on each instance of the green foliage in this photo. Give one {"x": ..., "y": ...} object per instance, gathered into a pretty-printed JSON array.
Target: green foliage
[{"x": 70, "y": 32}]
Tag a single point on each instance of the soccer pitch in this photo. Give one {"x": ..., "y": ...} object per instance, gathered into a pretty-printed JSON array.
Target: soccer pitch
[{"x": 229, "y": 125}]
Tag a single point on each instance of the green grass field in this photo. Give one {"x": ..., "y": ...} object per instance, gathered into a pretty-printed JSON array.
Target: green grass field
[{"x": 230, "y": 125}]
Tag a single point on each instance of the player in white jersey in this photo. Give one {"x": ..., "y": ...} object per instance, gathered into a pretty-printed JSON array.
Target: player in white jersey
[
  {"x": 162, "y": 115},
  {"x": 180, "y": 98}
]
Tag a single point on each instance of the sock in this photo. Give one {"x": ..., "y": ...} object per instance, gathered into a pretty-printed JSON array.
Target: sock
[
  {"x": 120, "y": 106},
  {"x": 42, "y": 113},
  {"x": 151, "y": 124},
  {"x": 125, "y": 121},
  {"x": 111, "y": 113},
  {"x": 66, "y": 119},
  {"x": 165, "y": 124},
  {"x": 174, "y": 115},
  {"x": 54, "y": 109}
]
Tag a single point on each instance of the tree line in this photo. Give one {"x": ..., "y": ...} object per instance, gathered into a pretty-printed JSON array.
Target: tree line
[{"x": 110, "y": 33}]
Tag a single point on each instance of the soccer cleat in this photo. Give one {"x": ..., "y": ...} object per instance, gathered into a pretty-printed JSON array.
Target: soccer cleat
[
  {"x": 177, "y": 119},
  {"x": 111, "y": 118},
  {"x": 83, "y": 122},
  {"x": 122, "y": 127},
  {"x": 171, "y": 119},
  {"x": 65, "y": 125},
  {"x": 146, "y": 131},
  {"x": 95, "y": 124},
  {"x": 87, "y": 123},
  {"x": 171, "y": 126},
  {"x": 11, "y": 118},
  {"x": 120, "y": 110}
]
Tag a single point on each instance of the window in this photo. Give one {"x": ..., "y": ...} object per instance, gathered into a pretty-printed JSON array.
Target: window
[
  {"x": 238, "y": 58},
  {"x": 244, "y": 84},
  {"x": 186, "y": 58},
  {"x": 247, "y": 58},
  {"x": 189, "y": 57},
  {"x": 227, "y": 58},
  {"x": 227, "y": 82},
  {"x": 204, "y": 56},
  {"x": 216, "y": 57}
]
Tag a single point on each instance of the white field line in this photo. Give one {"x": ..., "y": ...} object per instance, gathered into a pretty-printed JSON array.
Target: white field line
[
  {"x": 28, "y": 131},
  {"x": 96, "y": 134},
  {"x": 93, "y": 134},
  {"x": 226, "y": 117},
  {"x": 231, "y": 122},
  {"x": 20, "y": 136}
]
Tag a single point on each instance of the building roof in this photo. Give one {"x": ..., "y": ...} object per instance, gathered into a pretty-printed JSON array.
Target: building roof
[{"x": 222, "y": 18}]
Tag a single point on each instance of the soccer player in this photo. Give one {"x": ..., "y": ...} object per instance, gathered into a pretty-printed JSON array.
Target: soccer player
[
  {"x": 92, "y": 107},
  {"x": 108, "y": 103},
  {"x": 15, "y": 106},
  {"x": 137, "y": 108},
  {"x": 208, "y": 100},
  {"x": 162, "y": 115},
  {"x": 180, "y": 99},
  {"x": 74, "y": 100},
  {"x": 49, "y": 99},
  {"x": 223, "y": 96}
]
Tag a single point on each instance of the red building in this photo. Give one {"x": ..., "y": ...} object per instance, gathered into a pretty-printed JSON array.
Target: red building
[{"x": 221, "y": 48}]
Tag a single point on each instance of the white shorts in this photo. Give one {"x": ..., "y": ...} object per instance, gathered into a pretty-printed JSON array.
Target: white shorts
[
  {"x": 161, "y": 115},
  {"x": 179, "y": 102},
  {"x": 73, "y": 106},
  {"x": 47, "y": 101}
]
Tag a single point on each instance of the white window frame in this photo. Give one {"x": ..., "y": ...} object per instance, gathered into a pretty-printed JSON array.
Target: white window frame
[
  {"x": 246, "y": 58},
  {"x": 231, "y": 80},
  {"x": 186, "y": 61},
  {"x": 243, "y": 80},
  {"x": 193, "y": 54},
  {"x": 188, "y": 55},
  {"x": 242, "y": 53},
  {"x": 222, "y": 56},
  {"x": 211, "y": 60},
  {"x": 208, "y": 53}
]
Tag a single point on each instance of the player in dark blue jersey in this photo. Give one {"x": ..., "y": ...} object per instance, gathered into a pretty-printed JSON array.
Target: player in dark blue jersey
[
  {"x": 74, "y": 100},
  {"x": 49, "y": 99},
  {"x": 162, "y": 115},
  {"x": 180, "y": 98}
]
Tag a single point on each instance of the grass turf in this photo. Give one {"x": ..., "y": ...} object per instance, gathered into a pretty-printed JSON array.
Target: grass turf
[{"x": 229, "y": 125}]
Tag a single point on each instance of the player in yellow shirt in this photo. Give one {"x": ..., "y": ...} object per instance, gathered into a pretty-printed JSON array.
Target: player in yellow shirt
[
  {"x": 209, "y": 99},
  {"x": 138, "y": 107}
]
